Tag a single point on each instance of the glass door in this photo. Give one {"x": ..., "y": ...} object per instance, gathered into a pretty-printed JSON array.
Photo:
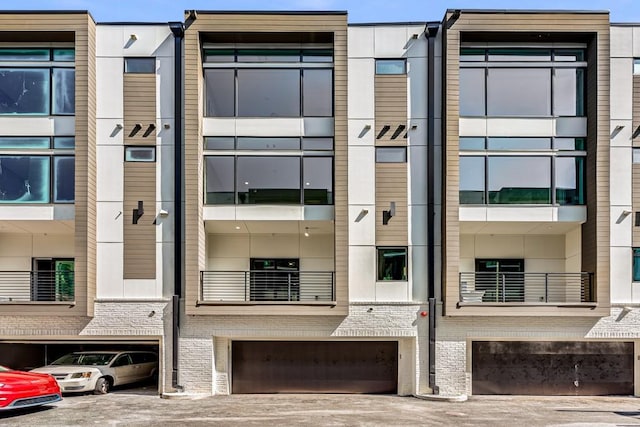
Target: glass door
[
  {"x": 275, "y": 279},
  {"x": 52, "y": 280},
  {"x": 501, "y": 279}
]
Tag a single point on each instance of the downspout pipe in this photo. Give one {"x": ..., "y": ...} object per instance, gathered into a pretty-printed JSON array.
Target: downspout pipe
[
  {"x": 177, "y": 28},
  {"x": 431, "y": 31}
]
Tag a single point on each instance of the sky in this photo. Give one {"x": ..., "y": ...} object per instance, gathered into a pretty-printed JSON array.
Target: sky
[{"x": 359, "y": 10}]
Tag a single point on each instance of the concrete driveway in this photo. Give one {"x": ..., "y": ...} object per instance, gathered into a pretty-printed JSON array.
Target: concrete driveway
[{"x": 141, "y": 407}]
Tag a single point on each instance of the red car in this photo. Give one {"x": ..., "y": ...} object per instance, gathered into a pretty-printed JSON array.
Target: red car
[{"x": 24, "y": 389}]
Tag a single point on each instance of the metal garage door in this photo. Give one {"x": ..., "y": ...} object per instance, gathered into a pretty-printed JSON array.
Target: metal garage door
[
  {"x": 552, "y": 368},
  {"x": 314, "y": 367}
]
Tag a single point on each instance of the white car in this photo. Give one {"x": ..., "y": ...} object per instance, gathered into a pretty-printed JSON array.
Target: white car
[{"x": 98, "y": 371}]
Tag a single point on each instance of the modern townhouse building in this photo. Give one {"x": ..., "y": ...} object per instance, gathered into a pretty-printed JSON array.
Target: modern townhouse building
[
  {"x": 86, "y": 138},
  {"x": 283, "y": 202}
]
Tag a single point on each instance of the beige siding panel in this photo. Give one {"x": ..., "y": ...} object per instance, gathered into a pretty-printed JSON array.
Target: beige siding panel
[
  {"x": 194, "y": 226},
  {"x": 391, "y": 186},
  {"x": 140, "y": 238},
  {"x": 595, "y": 232},
  {"x": 390, "y": 108},
  {"x": 139, "y": 107}
]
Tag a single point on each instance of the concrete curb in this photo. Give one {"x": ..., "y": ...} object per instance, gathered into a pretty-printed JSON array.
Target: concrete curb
[
  {"x": 442, "y": 397},
  {"x": 183, "y": 396}
]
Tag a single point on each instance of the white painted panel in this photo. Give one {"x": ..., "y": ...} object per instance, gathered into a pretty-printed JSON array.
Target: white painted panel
[
  {"x": 359, "y": 134},
  {"x": 392, "y": 291},
  {"x": 164, "y": 42},
  {"x": 275, "y": 246},
  {"x": 108, "y": 133},
  {"x": 621, "y": 265},
  {"x": 53, "y": 245},
  {"x": 621, "y": 41},
  {"x": 520, "y": 127},
  {"x": 362, "y": 177},
  {"x": 318, "y": 126},
  {"x": 573, "y": 250},
  {"x": 467, "y": 246},
  {"x": 622, "y": 137},
  {"x": 148, "y": 38},
  {"x": 417, "y": 47},
  {"x": 620, "y": 171},
  {"x": 544, "y": 266},
  {"x": 360, "y": 90},
  {"x": 228, "y": 264},
  {"x": 165, "y": 84},
  {"x": 636, "y": 42},
  {"x": 110, "y": 173},
  {"x": 418, "y": 175},
  {"x": 418, "y": 225},
  {"x": 269, "y": 127},
  {"x": 635, "y": 293},
  {"x": 165, "y": 224},
  {"x": 32, "y": 212},
  {"x": 319, "y": 213},
  {"x": 417, "y": 87},
  {"x": 109, "y": 88},
  {"x": 15, "y": 263},
  {"x": 467, "y": 265},
  {"x": 64, "y": 125},
  {"x": 140, "y": 288},
  {"x": 472, "y": 213},
  {"x": 266, "y": 212},
  {"x": 544, "y": 247},
  {"x": 109, "y": 272},
  {"x": 472, "y": 126},
  {"x": 317, "y": 264},
  {"x": 165, "y": 265},
  {"x": 362, "y": 232},
  {"x": 109, "y": 40},
  {"x": 499, "y": 246},
  {"x": 110, "y": 217},
  {"x": 571, "y": 126},
  {"x": 218, "y": 126},
  {"x": 362, "y": 273},
  {"x": 621, "y": 84},
  {"x": 27, "y": 126},
  {"x": 543, "y": 213},
  {"x": 317, "y": 246},
  {"x": 389, "y": 41},
  {"x": 571, "y": 213},
  {"x": 418, "y": 271},
  {"x": 417, "y": 136},
  {"x": 210, "y": 213},
  {"x": 621, "y": 226},
  {"x": 165, "y": 135},
  {"x": 164, "y": 172},
  {"x": 360, "y": 42}
]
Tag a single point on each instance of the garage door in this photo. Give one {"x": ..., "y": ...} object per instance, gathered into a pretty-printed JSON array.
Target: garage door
[
  {"x": 552, "y": 368},
  {"x": 314, "y": 367}
]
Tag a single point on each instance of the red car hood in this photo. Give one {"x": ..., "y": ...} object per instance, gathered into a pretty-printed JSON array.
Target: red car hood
[{"x": 16, "y": 378}]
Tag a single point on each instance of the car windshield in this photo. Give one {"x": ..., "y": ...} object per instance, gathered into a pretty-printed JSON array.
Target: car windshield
[{"x": 85, "y": 359}]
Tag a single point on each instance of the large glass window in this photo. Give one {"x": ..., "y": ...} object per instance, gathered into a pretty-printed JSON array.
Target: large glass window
[
  {"x": 391, "y": 66},
  {"x": 268, "y": 180},
  {"x": 318, "y": 180},
  {"x": 472, "y": 188},
  {"x": 636, "y": 264},
  {"x": 518, "y": 92},
  {"x": 35, "y": 87},
  {"x": 268, "y": 93},
  {"x": 392, "y": 264},
  {"x": 317, "y": 97},
  {"x": 569, "y": 180},
  {"x": 64, "y": 179},
  {"x": 220, "y": 175},
  {"x": 24, "y": 179},
  {"x": 522, "y": 82},
  {"x": 219, "y": 93},
  {"x": 507, "y": 184}
]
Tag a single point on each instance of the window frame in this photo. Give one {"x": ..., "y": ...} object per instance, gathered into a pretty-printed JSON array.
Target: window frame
[
  {"x": 382, "y": 61},
  {"x": 139, "y": 58},
  {"x": 382, "y": 149},
  {"x": 406, "y": 263},
  {"x": 128, "y": 148}
]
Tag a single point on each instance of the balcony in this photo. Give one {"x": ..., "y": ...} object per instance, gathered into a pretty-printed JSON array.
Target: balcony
[
  {"x": 36, "y": 286},
  {"x": 517, "y": 288},
  {"x": 267, "y": 287}
]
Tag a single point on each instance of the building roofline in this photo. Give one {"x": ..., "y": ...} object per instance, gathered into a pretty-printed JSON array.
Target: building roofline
[
  {"x": 388, "y": 24},
  {"x": 267, "y": 12},
  {"x": 47, "y": 12},
  {"x": 625, "y": 24},
  {"x": 132, "y": 23},
  {"x": 529, "y": 11}
]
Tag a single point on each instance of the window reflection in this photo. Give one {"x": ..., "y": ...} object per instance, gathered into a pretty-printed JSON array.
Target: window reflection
[
  {"x": 507, "y": 184},
  {"x": 24, "y": 91},
  {"x": 472, "y": 190},
  {"x": 268, "y": 93},
  {"x": 518, "y": 92},
  {"x": 268, "y": 180},
  {"x": 24, "y": 179}
]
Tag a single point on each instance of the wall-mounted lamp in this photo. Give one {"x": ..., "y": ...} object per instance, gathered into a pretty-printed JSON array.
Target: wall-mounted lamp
[
  {"x": 135, "y": 129},
  {"x": 387, "y": 215},
  {"x": 167, "y": 126},
  {"x": 118, "y": 126},
  {"x": 306, "y": 232},
  {"x": 137, "y": 213},
  {"x": 626, "y": 212},
  {"x": 361, "y": 215},
  {"x": 150, "y": 129},
  {"x": 133, "y": 37},
  {"x": 163, "y": 213}
]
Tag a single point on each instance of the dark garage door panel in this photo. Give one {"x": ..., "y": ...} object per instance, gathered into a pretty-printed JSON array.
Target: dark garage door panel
[
  {"x": 552, "y": 368},
  {"x": 314, "y": 367}
]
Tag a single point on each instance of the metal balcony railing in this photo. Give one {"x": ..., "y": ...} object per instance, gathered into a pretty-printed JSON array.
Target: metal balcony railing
[
  {"x": 37, "y": 286},
  {"x": 267, "y": 286},
  {"x": 490, "y": 287}
]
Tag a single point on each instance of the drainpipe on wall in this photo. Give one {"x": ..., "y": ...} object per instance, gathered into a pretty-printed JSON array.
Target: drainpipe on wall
[
  {"x": 431, "y": 30},
  {"x": 177, "y": 28}
]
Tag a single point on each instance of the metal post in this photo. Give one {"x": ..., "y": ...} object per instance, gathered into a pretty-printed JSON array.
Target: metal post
[
  {"x": 546, "y": 287},
  {"x": 288, "y": 286},
  {"x": 504, "y": 288}
]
